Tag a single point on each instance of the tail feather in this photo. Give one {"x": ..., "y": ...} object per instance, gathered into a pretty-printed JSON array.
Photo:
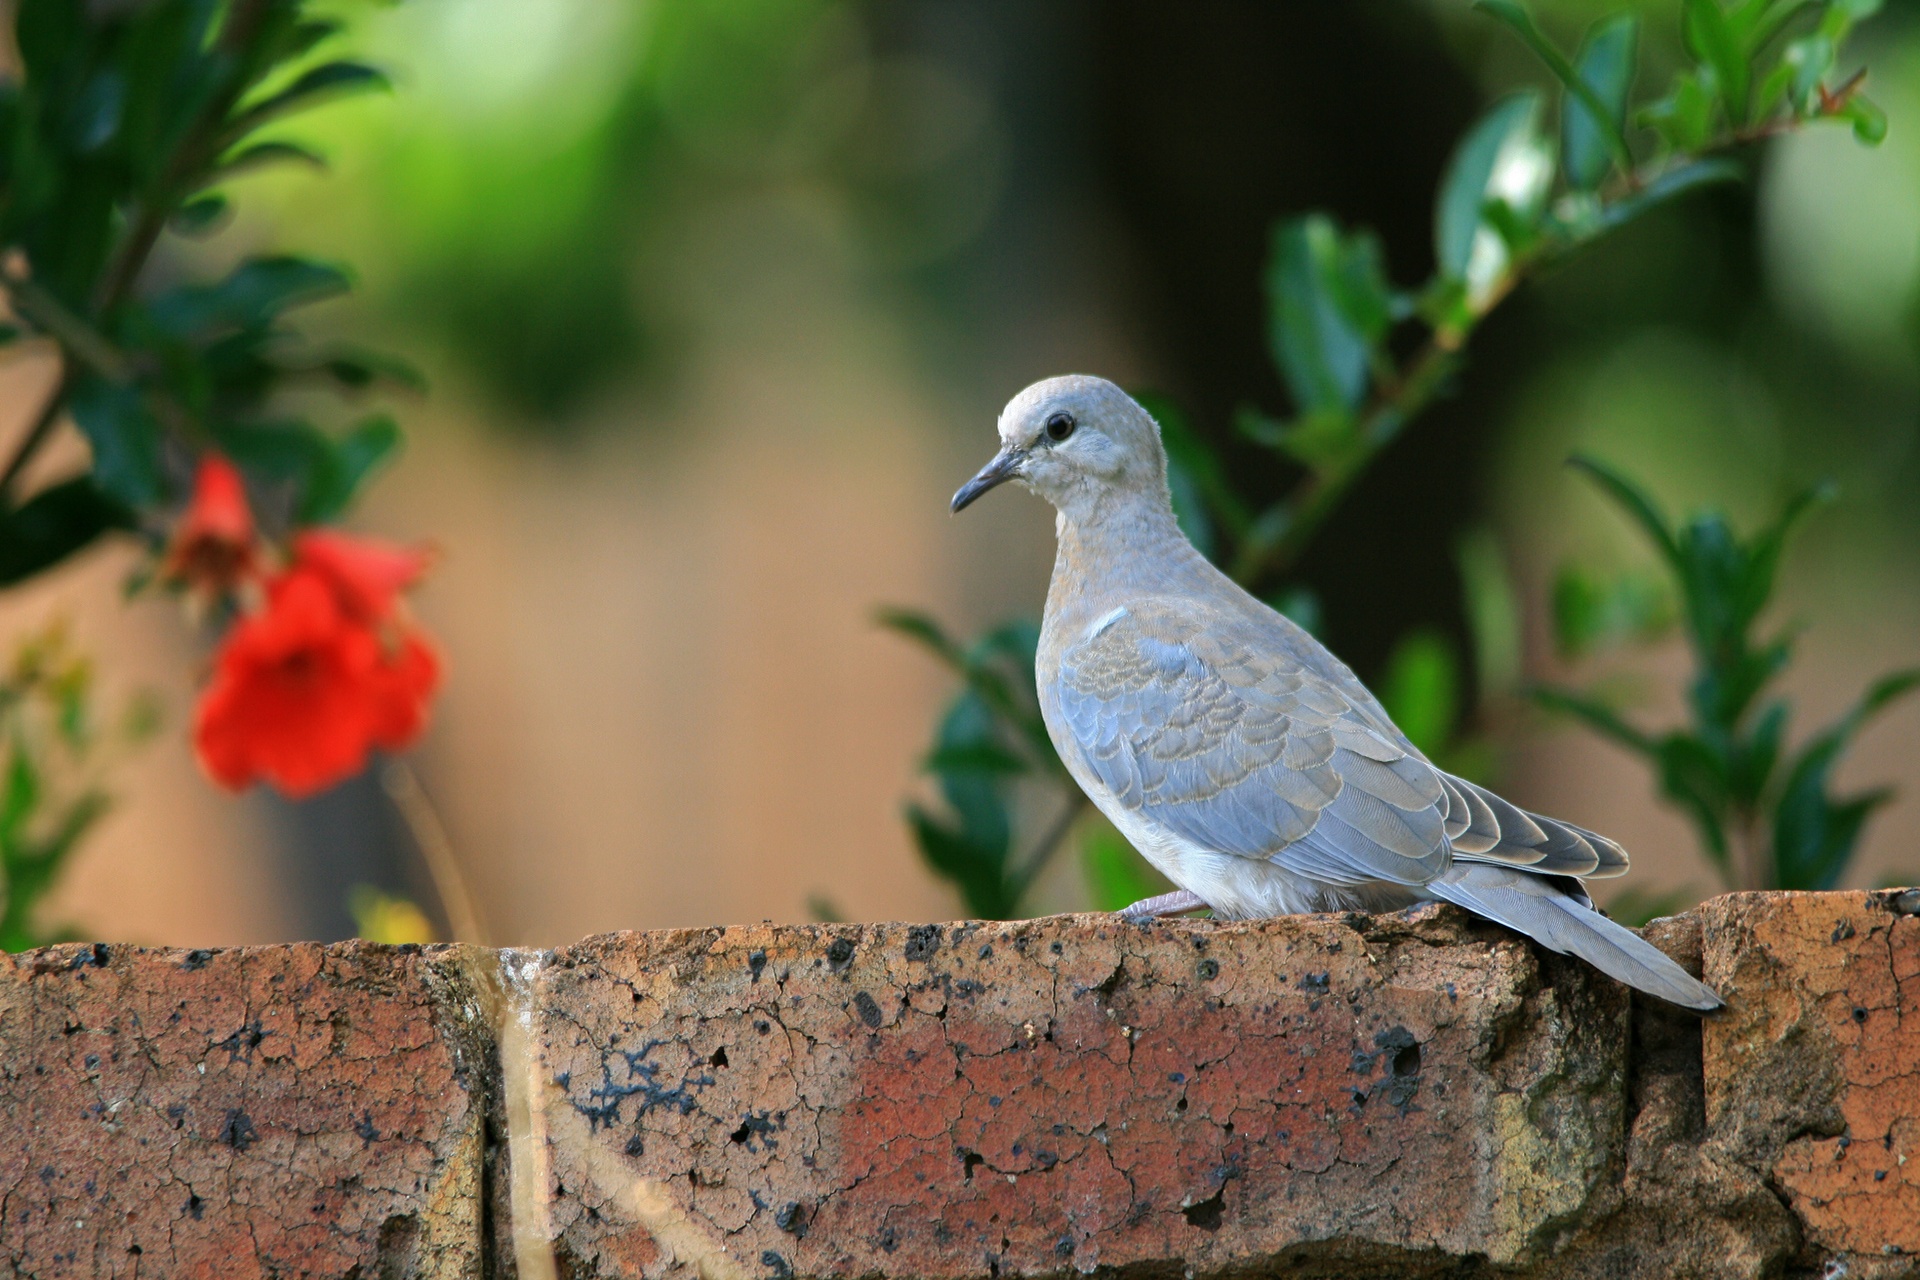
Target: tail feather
[{"x": 1533, "y": 905}]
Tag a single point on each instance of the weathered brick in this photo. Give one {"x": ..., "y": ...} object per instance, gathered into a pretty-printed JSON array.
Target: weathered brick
[
  {"x": 1813, "y": 1072},
  {"x": 267, "y": 1111},
  {"x": 1072, "y": 1093}
]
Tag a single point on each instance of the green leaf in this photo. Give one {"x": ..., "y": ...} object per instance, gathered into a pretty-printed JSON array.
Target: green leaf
[
  {"x": 1203, "y": 472},
  {"x": 1637, "y": 908},
  {"x": 1695, "y": 776},
  {"x": 1711, "y": 38},
  {"x": 1300, "y": 605},
  {"x": 250, "y": 297},
  {"x": 1684, "y": 117},
  {"x": 1117, "y": 876},
  {"x": 1807, "y": 61},
  {"x": 1868, "y": 120},
  {"x": 1590, "y": 87},
  {"x": 1470, "y": 176},
  {"x": 1590, "y": 146},
  {"x": 200, "y": 217},
  {"x": 1668, "y": 186},
  {"x": 1592, "y": 611},
  {"x": 1635, "y": 502},
  {"x": 1492, "y": 607},
  {"x": 1595, "y": 715},
  {"x": 974, "y": 871},
  {"x": 54, "y": 524},
  {"x": 326, "y": 81},
  {"x": 1421, "y": 690},
  {"x": 345, "y": 466},
  {"x": 974, "y": 757},
  {"x": 924, "y": 630},
  {"x": 260, "y": 156},
  {"x": 1814, "y": 835},
  {"x": 358, "y": 369},
  {"x": 125, "y": 439},
  {"x": 1328, "y": 306}
]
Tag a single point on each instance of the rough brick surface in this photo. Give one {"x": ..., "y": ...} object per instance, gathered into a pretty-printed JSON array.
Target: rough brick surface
[
  {"x": 1813, "y": 1073},
  {"x": 1347, "y": 1096},
  {"x": 269, "y": 1111},
  {"x": 1073, "y": 1093}
]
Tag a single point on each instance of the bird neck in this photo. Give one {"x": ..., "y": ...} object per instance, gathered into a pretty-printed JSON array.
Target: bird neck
[{"x": 1131, "y": 545}]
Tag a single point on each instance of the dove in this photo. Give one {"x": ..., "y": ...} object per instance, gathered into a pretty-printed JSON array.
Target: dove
[{"x": 1236, "y": 753}]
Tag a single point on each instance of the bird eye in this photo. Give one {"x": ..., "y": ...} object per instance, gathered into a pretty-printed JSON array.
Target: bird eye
[{"x": 1060, "y": 426}]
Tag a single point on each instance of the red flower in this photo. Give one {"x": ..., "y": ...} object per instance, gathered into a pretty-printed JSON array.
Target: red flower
[
  {"x": 212, "y": 548},
  {"x": 327, "y": 671}
]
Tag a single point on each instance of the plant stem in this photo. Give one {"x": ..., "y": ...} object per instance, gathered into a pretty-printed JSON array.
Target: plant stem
[
  {"x": 37, "y": 435},
  {"x": 1050, "y": 841},
  {"x": 430, "y": 835}
]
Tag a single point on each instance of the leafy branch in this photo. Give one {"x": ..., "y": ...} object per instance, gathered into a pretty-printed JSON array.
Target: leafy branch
[
  {"x": 1515, "y": 200},
  {"x": 1766, "y": 818}
]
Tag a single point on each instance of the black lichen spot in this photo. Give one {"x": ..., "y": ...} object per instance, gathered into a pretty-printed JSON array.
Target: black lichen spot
[
  {"x": 1207, "y": 1213},
  {"x": 1859, "y": 1014},
  {"x": 368, "y": 1134},
  {"x": 969, "y": 1161},
  {"x": 100, "y": 955},
  {"x": 1209, "y": 970},
  {"x": 238, "y": 1131},
  {"x": 775, "y": 1264},
  {"x": 889, "y": 1240},
  {"x": 241, "y": 1044},
  {"x": 195, "y": 1207},
  {"x": 643, "y": 1081},
  {"x": 1315, "y": 984},
  {"x": 636, "y": 1146},
  {"x": 1063, "y": 1247},
  {"x": 1879, "y": 1175},
  {"x": 762, "y": 1026},
  {"x": 840, "y": 954},
  {"x": 719, "y": 1058},
  {"x": 756, "y": 961},
  {"x": 986, "y": 951},
  {"x": 1056, "y": 948},
  {"x": 196, "y": 959},
  {"x": 791, "y": 1218},
  {"x": 923, "y": 940},
  {"x": 176, "y": 1113},
  {"x": 868, "y": 1009},
  {"x": 1842, "y": 931}
]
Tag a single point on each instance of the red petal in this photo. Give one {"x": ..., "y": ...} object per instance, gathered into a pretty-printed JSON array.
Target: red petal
[{"x": 368, "y": 574}]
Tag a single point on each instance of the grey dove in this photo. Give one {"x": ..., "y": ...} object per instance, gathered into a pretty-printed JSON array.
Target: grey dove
[{"x": 1240, "y": 757}]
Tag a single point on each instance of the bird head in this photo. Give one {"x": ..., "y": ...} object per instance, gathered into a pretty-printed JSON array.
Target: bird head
[{"x": 1078, "y": 442}]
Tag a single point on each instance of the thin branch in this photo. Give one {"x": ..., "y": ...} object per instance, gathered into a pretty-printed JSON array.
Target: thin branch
[
  {"x": 1050, "y": 842},
  {"x": 37, "y": 435},
  {"x": 430, "y": 834}
]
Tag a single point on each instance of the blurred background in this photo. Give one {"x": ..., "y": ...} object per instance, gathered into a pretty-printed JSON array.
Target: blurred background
[{"x": 719, "y": 299}]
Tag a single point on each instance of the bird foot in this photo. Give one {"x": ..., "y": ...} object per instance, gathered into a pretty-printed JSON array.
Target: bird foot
[{"x": 1179, "y": 902}]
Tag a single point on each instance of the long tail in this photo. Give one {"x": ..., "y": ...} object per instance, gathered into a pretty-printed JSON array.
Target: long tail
[{"x": 1535, "y": 906}]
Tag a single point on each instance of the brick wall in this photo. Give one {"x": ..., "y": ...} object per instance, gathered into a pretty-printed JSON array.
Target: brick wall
[{"x": 1331, "y": 1095}]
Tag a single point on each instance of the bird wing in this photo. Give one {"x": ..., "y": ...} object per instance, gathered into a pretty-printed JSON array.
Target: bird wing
[
  {"x": 1224, "y": 736},
  {"x": 1239, "y": 750}
]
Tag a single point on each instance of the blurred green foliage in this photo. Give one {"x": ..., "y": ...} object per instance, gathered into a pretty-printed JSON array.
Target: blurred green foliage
[
  {"x": 1360, "y": 357},
  {"x": 119, "y": 138},
  {"x": 1766, "y": 815},
  {"x": 54, "y": 748},
  {"x": 126, "y": 124}
]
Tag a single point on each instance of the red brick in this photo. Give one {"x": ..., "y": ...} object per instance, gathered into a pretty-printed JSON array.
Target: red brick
[
  {"x": 1070, "y": 1093},
  {"x": 271, "y": 1111},
  {"x": 1813, "y": 1072}
]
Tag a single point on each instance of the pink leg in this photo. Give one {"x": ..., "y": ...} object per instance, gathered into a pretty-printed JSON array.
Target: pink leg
[{"x": 1176, "y": 903}]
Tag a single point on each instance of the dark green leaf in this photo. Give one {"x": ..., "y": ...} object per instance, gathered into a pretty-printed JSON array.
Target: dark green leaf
[
  {"x": 974, "y": 757},
  {"x": 200, "y": 217},
  {"x": 1327, "y": 308},
  {"x": 1464, "y": 189},
  {"x": 1807, "y": 60},
  {"x": 125, "y": 439},
  {"x": 1684, "y": 117},
  {"x": 1695, "y": 777},
  {"x": 1590, "y": 87},
  {"x": 259, "y": 156},
  {"x": 1666, "y": 187},
  {"x": 1301, "y": 606},
  {"x": 976, "y": 872},
  {"x": 248, "y": 298},
  {"x": 1868, "y": 120},
  {"x": 1636, "y": 908},
  {"x": 1814, "y": 835},
  {"x": 924, "y": 630},
  {"x": 1596, "y": 715},
  {"x": 1711, "y": 38},
  {"x": 329, "y": 80},
  {"x": 345, "y": 466},
  {"x": 53, "y": 524},
  {"x": 358, "y": 369},
  {"x": 1590, "y": 147},
  {"x": 1635, "y": 502}
]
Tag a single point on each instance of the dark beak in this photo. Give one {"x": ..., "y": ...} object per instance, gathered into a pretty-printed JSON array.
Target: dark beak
[{"x": 1005, "y": 465}]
